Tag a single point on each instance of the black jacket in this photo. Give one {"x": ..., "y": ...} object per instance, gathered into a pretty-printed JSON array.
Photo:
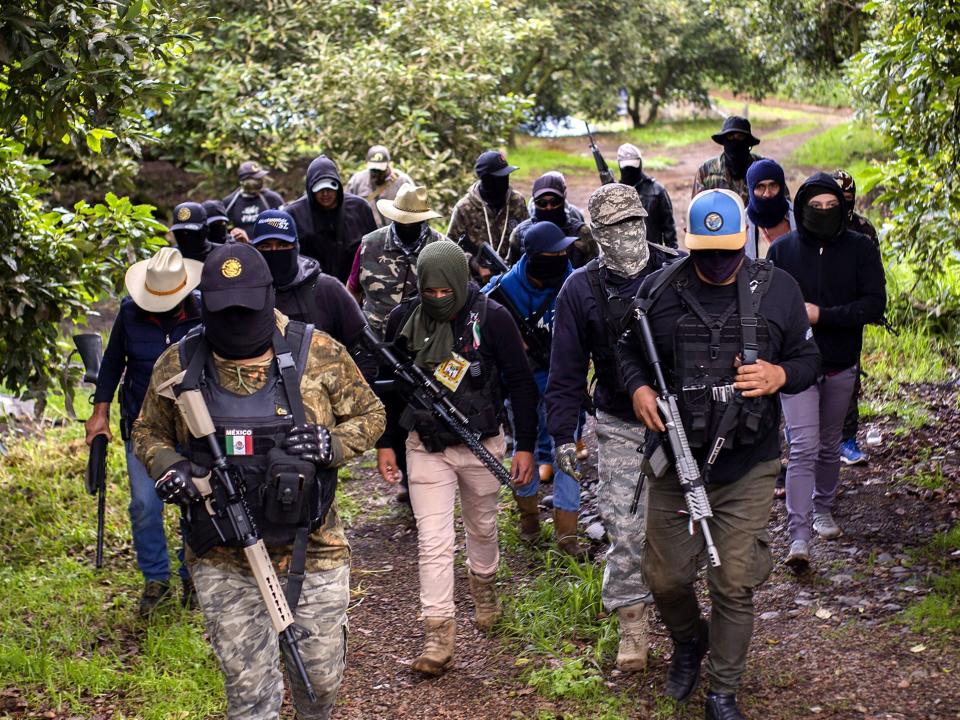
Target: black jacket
[
  {"x": 331, "y": 236},
  {"x": 661, "y": 228},
  {"x": 314, "y": 297},
  {"x": 843, "y": 276},
  {"x": 581, "y": 332},
  {"x": 242, "y": 210},
  {"x": 791, "y": 346}
]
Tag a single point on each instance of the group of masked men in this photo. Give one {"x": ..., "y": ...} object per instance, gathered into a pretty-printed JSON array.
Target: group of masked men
[{"x": 524, "y": 317}]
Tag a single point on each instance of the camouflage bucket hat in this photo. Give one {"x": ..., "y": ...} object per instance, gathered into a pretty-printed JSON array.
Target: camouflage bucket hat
[{"x": 614, "y": 203}]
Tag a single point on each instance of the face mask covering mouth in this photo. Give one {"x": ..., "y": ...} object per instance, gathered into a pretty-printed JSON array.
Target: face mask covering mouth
[
  {"x": 282, "y": 264},
  {"x": 630, "y": 175},
  {"x": 623, "y": 247},
  {"x": 717, "y": 266},
  {"x": 190, "y": 243},
  {"x": 251, "y": 187},
  {"x": 408, "y": 233},
  {"x": 737, "y": 156},
  {"x": 238, "y": 333},
  {"x": 824, "y": 225},
  {"x": 493, "y": 190},
  {"x": 549, "y": 270},
  {"x": 217, "y": 232}
]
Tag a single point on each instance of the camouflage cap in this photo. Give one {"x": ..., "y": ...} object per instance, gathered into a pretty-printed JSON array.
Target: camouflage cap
[{"x": 614, "y": 203}]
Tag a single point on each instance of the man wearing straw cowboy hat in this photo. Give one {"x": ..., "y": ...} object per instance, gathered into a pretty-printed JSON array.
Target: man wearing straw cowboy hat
[
  {"x": 160, "y": 309},
  {"x": 387, "y": 269}
]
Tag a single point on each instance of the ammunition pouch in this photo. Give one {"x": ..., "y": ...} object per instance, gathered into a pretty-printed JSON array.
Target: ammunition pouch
[{"x": 290, "y": 490}]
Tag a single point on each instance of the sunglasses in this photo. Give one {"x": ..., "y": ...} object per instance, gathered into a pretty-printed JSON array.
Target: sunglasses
[{"x": 548, "y": 202}]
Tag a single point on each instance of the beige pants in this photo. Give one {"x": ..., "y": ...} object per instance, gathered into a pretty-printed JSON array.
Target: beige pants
[{"x": 434, "y": 479}]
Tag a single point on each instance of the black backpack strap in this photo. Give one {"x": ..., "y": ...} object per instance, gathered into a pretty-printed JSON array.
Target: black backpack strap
[
  {"x": 750, "y": 291},
  {"x": 194, "y": 354},
  {"x": 664, "y": 277},
  {"x": 714, "y": 325},
  {"x": 290, "y": 367}
]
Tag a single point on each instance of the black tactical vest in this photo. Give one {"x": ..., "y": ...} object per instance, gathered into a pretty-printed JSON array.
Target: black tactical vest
[
  {"x": 478, "y": 396},
  {"x": 704, "y": 351},
  {"x": 248, "y": 427},
  {"x": 614, "y": 310}
]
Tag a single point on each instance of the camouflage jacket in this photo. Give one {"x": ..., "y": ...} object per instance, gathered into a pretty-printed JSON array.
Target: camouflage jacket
[
  {"x": 359, "y": 184},
  {"x": 475, "y": 222},
  {"x": 863, "y": 226},
  {"x": 388, "y": 274},
  {"x": 334, "y": 395},
  {"x": 713, "y": 175}
]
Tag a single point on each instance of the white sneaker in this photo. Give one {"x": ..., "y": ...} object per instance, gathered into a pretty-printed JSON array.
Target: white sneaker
[
  {"x": 826, "y": 527},
  {"x": 799, "y": 556}
]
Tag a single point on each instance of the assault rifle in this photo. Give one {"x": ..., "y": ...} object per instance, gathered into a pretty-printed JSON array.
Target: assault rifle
[
  {"x": 485, "y": 255},
  {"x": 606, "y": 177},
  {"x": 430, "y": 396},
  {"x": 688, "y": 473},
  {"x": 222, "y": 495},
  {"x": 89, "y": 347}
]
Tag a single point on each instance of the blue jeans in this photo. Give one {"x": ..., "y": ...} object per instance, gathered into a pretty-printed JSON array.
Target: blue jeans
[
  {"x": 146, "y": 521},
  {"x": 566, "y": 490}
]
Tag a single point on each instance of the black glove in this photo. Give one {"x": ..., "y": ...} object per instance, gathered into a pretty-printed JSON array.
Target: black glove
[
  {"x": 311, "y": 442},
  {"x": 176, "y": 486}
]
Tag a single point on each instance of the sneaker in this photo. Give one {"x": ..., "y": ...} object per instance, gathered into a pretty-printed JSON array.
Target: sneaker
[
  {"x": 826, "y": 527},
  {"x": 583, "y": 452},
  {"x": 154, "y": 593},
  {"x": 851, "y": 454},
  {"x": 799, "y": 556}
]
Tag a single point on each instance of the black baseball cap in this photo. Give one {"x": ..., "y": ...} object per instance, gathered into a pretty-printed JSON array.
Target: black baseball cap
[
  {"x": 251, "y": 169},
  {"x": 189, "y": 216},
  {"x": 551, "y": 182},
  {"x": 235, "y": 275},
  {"x": 215, "y": 211},
  {"x": 493, "y": 162}
]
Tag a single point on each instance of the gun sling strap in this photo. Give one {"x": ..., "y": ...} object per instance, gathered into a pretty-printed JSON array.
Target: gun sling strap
[{"x": 290, "y": 380}]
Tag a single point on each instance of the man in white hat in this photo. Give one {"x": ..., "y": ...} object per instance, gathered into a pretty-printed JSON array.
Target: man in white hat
[
  {"x": 661, "y": 227},
  {"x": 378, "y": 181},
  {"x": 161, "y": 309},
  {"x": 387, "y": 267}
]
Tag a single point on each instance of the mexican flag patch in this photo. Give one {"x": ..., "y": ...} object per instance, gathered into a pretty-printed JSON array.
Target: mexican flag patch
[{"x": 239, "y": 442}]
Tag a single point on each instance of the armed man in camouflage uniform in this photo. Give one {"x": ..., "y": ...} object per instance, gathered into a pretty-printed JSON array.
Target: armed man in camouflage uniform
[
  {"x": 589, "y": 318},
  {"x": 728, "y": 170},
  {"x": 343, "y": 419},
  {"x": 488, "y": 213}
]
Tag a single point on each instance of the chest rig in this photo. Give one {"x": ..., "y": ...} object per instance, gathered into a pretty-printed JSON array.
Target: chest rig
[
  {"x": 478, "y": 395},
  {"x": 285, "y": 495},
  {"x": 705, "y": 350},
  {"x": 614, "y": 310}
]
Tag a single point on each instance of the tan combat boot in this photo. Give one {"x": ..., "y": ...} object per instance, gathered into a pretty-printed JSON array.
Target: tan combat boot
[
  {"x": 529, "y": 518},
  {"x": 439, "y": 635},
  {"x": 634, "y": 640},
  {"x": 485, "y": 600},
  {"x": 565, "y": 527}
]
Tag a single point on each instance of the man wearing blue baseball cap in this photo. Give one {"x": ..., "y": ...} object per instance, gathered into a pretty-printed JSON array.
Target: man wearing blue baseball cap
[
  {"x": 730, "y": 333},
  {"x": 305, "y": 293},
  {"x": 529, "y": 292}
]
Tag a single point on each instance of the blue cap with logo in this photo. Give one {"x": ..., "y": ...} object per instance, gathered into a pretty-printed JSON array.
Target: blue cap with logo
[
  {"x": 274, "y": 225},
  {"x": 544, "y": 236},
  {"x": 715, "y": 221}
]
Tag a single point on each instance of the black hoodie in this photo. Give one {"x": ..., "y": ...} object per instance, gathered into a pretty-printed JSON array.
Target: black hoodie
[
  {"x": 331, "y": 236},
  {"x": 842, "y": 276}
]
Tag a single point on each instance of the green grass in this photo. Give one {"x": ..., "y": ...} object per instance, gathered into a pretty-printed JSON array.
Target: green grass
[
  {"x": 535, "y": 156},
  {"x": 850, "y": 146},
  {"x": 938, "y": 614},
  {"x": 671, "y": 134},
  {"x": 69, "y": 634},
  {"x": 913, "y": 356}
]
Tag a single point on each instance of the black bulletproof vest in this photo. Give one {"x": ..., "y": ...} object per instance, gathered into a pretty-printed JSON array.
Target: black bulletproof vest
[
  {"x": 614, "y": 310},
  {"x": 705, "y": 348},
  {"x": 248, "y": 427},
  {"x": 478, "y": 396}
]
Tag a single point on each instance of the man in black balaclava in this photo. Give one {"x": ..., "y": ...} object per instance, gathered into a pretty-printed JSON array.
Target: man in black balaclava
[
  {"x": 250, "y": 199},
  {"x": 489, "y": 211},
  {"x": 661, "y": 227},
  {"x": 330, "y": 222},
  {"x": 549, "y": 203},
  {"x": 305, "y": 293},
  {"x": 217, "y": 221},
  {"x": 189, "y": 229},
  {"x": 728, "y": 171}
]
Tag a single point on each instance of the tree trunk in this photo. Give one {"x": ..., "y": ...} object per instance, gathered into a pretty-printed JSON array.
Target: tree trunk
[
  {"x": 633, "y": 109},
  {"x": 654, "y": 110}
]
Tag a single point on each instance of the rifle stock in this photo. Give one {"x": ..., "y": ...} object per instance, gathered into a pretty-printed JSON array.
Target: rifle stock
[
  {"x": 96, "y": 483},
  {"x": 234, "y": 513},
  {"x": 430, "y": 396}
]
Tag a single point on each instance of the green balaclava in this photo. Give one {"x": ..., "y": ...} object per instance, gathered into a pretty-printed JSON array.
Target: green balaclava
[{"x": 428, "y": 331}]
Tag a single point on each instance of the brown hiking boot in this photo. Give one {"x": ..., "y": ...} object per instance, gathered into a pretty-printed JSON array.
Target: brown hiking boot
[
  {"x": 529, "y": 518},
  {"x": 634, "y": 640},
  {"x": 154, "y": 593},
  {"x": 485, "y": 600},
  {"x": 583, "y": 452},
  {"x": 438, "y": 638},
  {"x": 565, "y": 527}
]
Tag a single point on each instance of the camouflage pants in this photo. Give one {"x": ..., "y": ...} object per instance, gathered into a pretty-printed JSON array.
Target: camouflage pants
[
  {"x": 246, "y": 644},
  {"x": 619, "y": 469}
]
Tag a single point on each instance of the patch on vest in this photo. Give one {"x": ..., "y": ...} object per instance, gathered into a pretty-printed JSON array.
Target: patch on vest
[
  {"x": 452, "y": 372},
  {"x": 239, "y": 442}
]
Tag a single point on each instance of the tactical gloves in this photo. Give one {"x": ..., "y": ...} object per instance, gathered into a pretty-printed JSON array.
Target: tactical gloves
[
  {"x": 176, "y": 485},
  {"x": 566, "y": 456},
  {"x": 312, "y": 443}
]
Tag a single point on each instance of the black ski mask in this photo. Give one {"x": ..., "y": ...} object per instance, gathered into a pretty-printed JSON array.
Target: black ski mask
[
  {"x": 717, "y": 265},
  {"x": 549, "y": 270},
  {"x": 630, "y": 175},
  {"x": 237, "y": 333},
  {"x": 493, "y": 190},
  {"x": 408, "y": 233},
  {"x": 283, "y": 265},
  {"x": 191, "y": 243},
  {"x": 217, "y": 231},
  {"x": 737, "y": 156},
  {"x": 824, "y": 225},
  {"x": 556, "y": 214}
]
